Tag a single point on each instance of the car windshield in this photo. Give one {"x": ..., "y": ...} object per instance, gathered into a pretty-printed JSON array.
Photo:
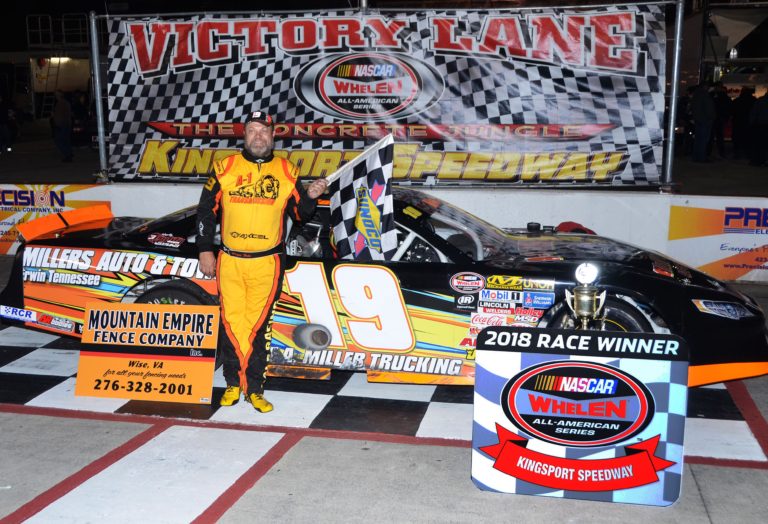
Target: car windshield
[
  {"x": 471, "y": 235},
  {"x": 155, "y": 223}
]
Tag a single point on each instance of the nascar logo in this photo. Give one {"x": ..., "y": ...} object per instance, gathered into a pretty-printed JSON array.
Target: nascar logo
[
  {"x": 573, "y": 403},
  {"x": 575, "y": 384}
]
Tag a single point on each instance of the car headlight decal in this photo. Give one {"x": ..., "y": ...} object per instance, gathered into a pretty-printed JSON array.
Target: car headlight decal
[{"x": 729, "y": 310}]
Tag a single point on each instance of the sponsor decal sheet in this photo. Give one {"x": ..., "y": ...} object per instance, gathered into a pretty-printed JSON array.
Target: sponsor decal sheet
[
  {"x": 725, "y": 237},
  {"x": 82, "y": 275},
  {"x": 592, "y": 415},
  {"x": 546, "y": 95}
]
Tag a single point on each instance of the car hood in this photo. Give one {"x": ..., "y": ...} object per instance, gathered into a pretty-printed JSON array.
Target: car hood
[{"x": 567, "y": 250}]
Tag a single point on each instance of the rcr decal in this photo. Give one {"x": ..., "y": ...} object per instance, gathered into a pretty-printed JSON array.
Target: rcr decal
[{"x": 18, "y": 314}]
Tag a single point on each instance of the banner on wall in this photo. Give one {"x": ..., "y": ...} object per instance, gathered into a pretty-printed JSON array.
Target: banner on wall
[
  {"x": 534, "y": 96},
  {"x": 725, "y": 238},
  {"x": 24, "y": 202}
]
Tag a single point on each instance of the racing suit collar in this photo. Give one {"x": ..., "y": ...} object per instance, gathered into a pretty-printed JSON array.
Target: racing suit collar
[{"x": 257, "y": 159}]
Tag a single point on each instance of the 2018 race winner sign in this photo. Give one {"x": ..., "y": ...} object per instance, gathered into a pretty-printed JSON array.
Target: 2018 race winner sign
[
  {"x": 148, "y": 352},
  {"x": 593, "y": 415}
]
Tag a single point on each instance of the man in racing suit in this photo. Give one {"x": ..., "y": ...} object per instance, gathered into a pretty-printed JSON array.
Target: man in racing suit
[{"x": 253, "y": 192}]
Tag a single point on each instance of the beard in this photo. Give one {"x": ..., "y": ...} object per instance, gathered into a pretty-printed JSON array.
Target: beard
[{"x": 260, "y": 150}]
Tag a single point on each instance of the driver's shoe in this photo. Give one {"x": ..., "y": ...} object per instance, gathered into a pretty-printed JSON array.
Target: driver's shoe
[
  {"x": 259, "y": 403},
  {"x": 231, "y": 396}
]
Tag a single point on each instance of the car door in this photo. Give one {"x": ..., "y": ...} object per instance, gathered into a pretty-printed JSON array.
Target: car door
[{"x": 397, "y": 320}]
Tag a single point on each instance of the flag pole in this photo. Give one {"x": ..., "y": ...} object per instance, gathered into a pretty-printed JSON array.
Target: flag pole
[{"x": 358, "y": 159}]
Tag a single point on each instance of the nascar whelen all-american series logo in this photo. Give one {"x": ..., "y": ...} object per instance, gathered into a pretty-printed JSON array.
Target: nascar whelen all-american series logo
[
  {"x": 579, "y": 404},
  {"x": 368, "y": 86}
]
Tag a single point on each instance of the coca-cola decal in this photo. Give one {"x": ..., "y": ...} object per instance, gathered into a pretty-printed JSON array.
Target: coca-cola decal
[
  {"x": 368, "y": 86},
  {"x": 488, "y": 319}
]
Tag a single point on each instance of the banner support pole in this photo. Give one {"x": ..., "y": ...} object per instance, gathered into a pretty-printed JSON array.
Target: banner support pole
[
  {"x": 666, "y": 180},
  {"x": 96, "y": 68}
]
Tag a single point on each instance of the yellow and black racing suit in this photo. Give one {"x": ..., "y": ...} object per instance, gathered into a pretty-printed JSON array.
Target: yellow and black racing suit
[{"x": 253, "y": 197}]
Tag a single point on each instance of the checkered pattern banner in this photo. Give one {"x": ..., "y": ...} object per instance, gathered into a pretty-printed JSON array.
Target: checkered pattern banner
[
  {"x": 362, "y": 212},
  {"x": 530, "y": 96},
  {"x": 591, "y": 469}
]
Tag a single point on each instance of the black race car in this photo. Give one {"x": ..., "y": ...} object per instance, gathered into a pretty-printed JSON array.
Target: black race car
[{"x": 413, "y": 319}]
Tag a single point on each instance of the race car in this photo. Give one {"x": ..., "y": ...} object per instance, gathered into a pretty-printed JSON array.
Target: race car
[{"x": 412, "y": 319}]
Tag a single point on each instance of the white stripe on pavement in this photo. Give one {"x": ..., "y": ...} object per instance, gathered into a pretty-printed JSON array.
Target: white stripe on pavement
[{"x": 172, "y": 478}]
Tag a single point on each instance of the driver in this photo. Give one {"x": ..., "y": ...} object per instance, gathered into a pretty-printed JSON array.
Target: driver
[{"x": 252, "y": 192}]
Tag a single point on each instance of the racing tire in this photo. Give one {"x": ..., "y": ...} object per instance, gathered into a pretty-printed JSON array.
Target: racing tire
[
  {"x": 176, "y": 293},
  {"x": 617, "y": 315},
  {"x": 180, "y": 293}
]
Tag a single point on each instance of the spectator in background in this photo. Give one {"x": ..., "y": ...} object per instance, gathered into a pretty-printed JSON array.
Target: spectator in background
[
  {"x": 722, "y": 116},
  {"x": 80, "y": 118},
  {"x": 62, "y": 126},
  {"x": 5, "y": 128},
  {"x": 685, "y": 122},
  {"x": 758, "y": 119},
  {"x": 703, "y": 114},
  {"x": 740, "y": 110}
]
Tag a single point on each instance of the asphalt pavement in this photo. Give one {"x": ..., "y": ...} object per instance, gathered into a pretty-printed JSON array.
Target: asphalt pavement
[{"x": 64, "y": 465}]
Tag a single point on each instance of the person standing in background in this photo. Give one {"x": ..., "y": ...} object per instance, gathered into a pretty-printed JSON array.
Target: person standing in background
[
  {"x": 742, "y": 106},
  {"x": 5, "y": 128},
  {"x": 758, "y": 120},
  {"x": 722, "y": 117},
  {"x": 62, "y": 126},
  {"x": 703, "y": 114}
]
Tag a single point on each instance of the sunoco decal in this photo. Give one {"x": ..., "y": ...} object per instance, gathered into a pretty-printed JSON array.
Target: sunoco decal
[
  {"x": 577, "y": 404},
  {"x": 368, "y": 86}
]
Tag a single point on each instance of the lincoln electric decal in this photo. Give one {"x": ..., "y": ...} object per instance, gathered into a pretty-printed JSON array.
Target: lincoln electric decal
[{"x": 535, "y": 96}]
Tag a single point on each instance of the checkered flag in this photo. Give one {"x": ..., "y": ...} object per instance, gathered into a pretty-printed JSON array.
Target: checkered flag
[{"x": 362, "y": 212}]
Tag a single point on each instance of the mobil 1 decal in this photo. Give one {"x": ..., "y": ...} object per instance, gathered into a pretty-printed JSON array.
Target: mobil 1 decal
[{"x": 593, "y": 415}]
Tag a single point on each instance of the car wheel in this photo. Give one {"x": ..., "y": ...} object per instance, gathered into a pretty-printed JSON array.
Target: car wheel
[
  {"x": 180, "y": 293},
  {"x": 175, "y": 294},
  {"x": 617, "y": 316}
]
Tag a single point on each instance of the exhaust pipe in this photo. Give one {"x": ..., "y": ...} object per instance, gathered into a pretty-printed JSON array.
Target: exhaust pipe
[{"x": 314, "y": 337}]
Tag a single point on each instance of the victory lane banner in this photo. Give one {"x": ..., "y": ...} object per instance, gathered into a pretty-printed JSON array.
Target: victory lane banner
[
  {"x": 594, "y": 415},
  {"x": 543, "y": 95},
  {"x": 148, "y": 352}
]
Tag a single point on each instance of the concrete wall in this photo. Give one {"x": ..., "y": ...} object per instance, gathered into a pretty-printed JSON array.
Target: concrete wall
[{"x": 705, "y": 232}]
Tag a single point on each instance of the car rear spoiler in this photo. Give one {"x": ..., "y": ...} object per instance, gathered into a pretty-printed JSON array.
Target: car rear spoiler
[{"x": 69, "y": 220}]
